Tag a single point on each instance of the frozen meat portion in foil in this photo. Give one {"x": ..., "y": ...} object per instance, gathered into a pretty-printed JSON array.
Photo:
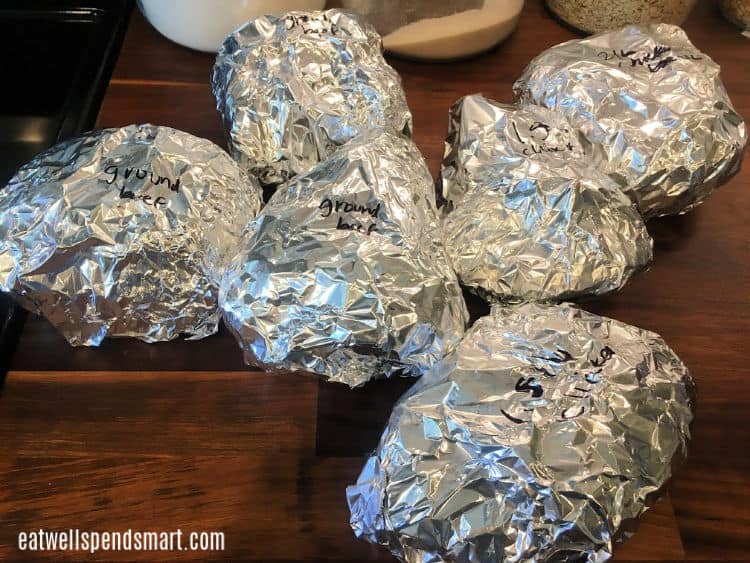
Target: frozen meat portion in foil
[
  {"x": 543, "y": 437},
  {"x": 124, "y": 232},
  {"x": 654, "y": 108},
  {"x": 292, "y": 89},
  {"x": 389, "y": 15},
  {"x": 529, "y": 217},
  {"x": 344, "y": 273}
]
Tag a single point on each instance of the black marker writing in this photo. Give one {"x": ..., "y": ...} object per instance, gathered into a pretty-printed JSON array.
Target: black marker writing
[
  {"x": 561, "y": 356},
  {"x": 529, "y": 384},
  {"x": 557, "y": 357},
  {"x": 537, "y": 141},
  {"x": 536, "y": 387},
  {"x": 157, "y": 202},
  {"x": 330, "y": 206},
  {"x": 141, "y": 174},
  {"x": 309, "y": 25},
  {"x": 654, "y": 60},
  {"x": 359, "y": 227},
  {"x": 604, "y": 356},
  {"x": 512, "y": 418}
]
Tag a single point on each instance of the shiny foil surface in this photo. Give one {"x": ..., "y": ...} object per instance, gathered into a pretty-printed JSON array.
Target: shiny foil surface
[
  {"x": 292, "y": 89},
  {"x": 124, "y": 232},
  {"x": 652, "y": 105},
  {"x": 344, "y": 273},
  {"x": 529, "y": 217},
  {"x": 543, "y": 437}
]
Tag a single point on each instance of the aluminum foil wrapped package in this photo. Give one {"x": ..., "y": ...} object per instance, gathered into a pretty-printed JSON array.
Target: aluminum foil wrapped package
[
  {"x": 528, "y": 216},
  {"x": 344, "y": 273},
  {"x": 654, "y": 107},
  {"x": 543, "y": 437},
  {"x": 124, "y": 232},
  {"x": 292, "y": 89}
]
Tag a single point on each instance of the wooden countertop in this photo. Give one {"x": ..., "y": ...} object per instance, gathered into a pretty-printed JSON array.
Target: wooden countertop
[{"x": 182, "y": 435}]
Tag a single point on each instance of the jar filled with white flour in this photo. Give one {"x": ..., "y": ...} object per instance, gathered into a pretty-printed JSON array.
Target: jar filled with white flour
[{"x": 438, "y": 30}]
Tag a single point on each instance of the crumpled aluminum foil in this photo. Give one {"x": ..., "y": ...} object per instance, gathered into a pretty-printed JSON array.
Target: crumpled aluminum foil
[
  {"x": 124, "y": 232},
  {"x": 344, "y": 273},
  {"x": 389, "y": 15},
  {"x": 653, "y": 106},
  {"x": 542, "y": 438},
  {"x": 529, "y": 217},
  {"x": 290, "y": 90}
]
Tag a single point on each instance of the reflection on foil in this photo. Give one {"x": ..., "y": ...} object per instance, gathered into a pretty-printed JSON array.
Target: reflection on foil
[
  {"x": 653, "y": 107},
  {"x": 344, "y": 273},
  {"x": 292, "y": 89},
  {"x": 529, "y": 217},
  {"x": 124, "y": 232},
  {"x": 543, "y": 437}
]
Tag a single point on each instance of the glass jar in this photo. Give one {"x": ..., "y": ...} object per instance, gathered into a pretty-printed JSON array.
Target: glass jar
[
  {"x": 438, "y": 29},
  {"x": 737, "y": 12},
  {"x": 593, "y": 16}
]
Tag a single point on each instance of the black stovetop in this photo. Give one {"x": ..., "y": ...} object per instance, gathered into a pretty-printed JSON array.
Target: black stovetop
[{"x": 56, "y": 58}]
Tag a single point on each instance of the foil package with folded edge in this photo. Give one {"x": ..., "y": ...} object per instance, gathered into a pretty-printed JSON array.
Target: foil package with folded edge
[
  {"x": 543, "y": 437},
  {"x": 527, "y": 214},
  {"x": 291, "y": 89},
  {"x": 344, "y": 273},
  {"x": 652, "y": 105},
  {"x": 124, "y": 232}
]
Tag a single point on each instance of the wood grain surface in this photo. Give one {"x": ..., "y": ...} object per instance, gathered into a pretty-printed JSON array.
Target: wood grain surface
[{"x": 182, "y": 435}]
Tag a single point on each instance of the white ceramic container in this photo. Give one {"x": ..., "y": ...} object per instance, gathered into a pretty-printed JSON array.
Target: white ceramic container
[{"x": 203, "y": 24}]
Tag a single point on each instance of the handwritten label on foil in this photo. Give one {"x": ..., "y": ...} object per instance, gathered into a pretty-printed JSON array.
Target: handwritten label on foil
[
  {"x": 542, "y": 138},
  {"x": 115, "y": 172},
  {"x": 349, "y": 214},
  {"x": 309, "y": 25},
  {"x": 534, "y": 387},
  {"x": 659, "y": 58}
]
